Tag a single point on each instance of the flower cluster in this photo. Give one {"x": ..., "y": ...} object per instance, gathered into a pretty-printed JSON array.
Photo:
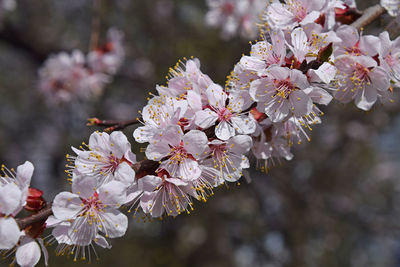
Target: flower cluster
[
  {"x": 101, "y": 177},
  {"x": 198, "y": 136},
  {"x": 16, "y": 195},
  {"x": 300, "y": 64},
  {"x": 65, "y": 77},
  {"x": 235, "y": 17}
]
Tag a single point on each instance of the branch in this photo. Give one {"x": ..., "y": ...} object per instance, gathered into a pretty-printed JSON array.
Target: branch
[
  {"x": 141, "y": 168},
  {"x": 111, "y": 124},
  {"x": 41, "y": 215},
  {"x": 369, "y": 15}
]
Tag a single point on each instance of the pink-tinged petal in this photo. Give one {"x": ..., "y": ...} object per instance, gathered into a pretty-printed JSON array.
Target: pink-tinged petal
[
  {"x": 311, "y": 17},
  {"x": 366, "y": 61},
  {"x": 252, "y": 63},
  {"x": 188, "y": 170},
  {"x": 60, "y": 233},
  {"x": 28, "y": 252},
  {"x": 149, "y": 183},
  {"x": 299, "y": 79},
  {"x": 99, "y": 141},
  {"x": 144, "y": 134},
  {"x": 129, "y": 156},
  {"x": 66, "y": 206},
  {"x": 175, "y": 181},
  {"x": 124, "y": 173},
  {"x": 205, "y": 118},
  {"x": 239, "y": 144},
  {"x": 157, "y": 150},
  {"x": 348, "y": 34},
  {"x": 278, "y": 73},
  {"x": 151, "y": 202},
  {"x": 278, "y": 45},
  {"x": 239, "y": 100},
  {"x": 386, "y": 44},
  {"x": 370, "y": 45},
  {"x": 325, "y": 73},
  {"x": 10, "y": 198},
  {"x": 83, "y": 186},
  {"x": 195, "y": 142},
  {"x": 319, "y": 95},
  {"x": 102, "y": 242},
  {"x": 344, "y": 94},
  {"x": 277, "y": 109},
  {"x": 224, "y": 131},
  {"x": 119, "y": 144},
  {"x": 81, "y": 232},
  {"x": 261, "y": 89},
  {"x": 243, "y": 124},
  {"x": 114, "y": 223},
  {"x": 113, "y": 193},
  {"x": 9, "y": 233},
  {"x": 301, "y": 103},
  {"x": 216, "y": 95},
  {"x": 194, "y": 100},
  {"x": 279, "y": 15},
  {"x": 300, "y": 44},
  {"x": 24, "y": 174},
  {"x": 366, "y": 98},
  {"x": 379, "y": 79}
]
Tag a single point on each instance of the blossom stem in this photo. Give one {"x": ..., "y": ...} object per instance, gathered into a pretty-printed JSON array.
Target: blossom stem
[
  {"x": 112, "y": 125},
  {"x": 369, "y": 15}
]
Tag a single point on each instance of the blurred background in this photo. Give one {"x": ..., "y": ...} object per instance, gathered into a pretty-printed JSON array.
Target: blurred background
[{"x": 337, "y": 203}]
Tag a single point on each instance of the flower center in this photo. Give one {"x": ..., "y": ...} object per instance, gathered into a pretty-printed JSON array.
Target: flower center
[
  {"x": 284, "y": 87},
  {"x": 360, "y": 74},
  {"x": 92, "y": 205},
  {"x": 224, "y": 114}
]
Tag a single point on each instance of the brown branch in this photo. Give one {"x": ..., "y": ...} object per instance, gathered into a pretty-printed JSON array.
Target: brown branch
[
  {"x": 41, "y": 215},
  {"x": 141, "y": 169},
  {"x": 369, "y": 15},
  {"x": 111, "y": 125},
  {"x": 95, "y": 32}
]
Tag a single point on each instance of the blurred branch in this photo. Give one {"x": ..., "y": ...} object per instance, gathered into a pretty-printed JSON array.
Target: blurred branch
[
  {"x": 95, "y": 32},
  {"x": 10, "y": 35},
  {"x": 369, "y": 15},
  {"x": 111, "y": 124}
]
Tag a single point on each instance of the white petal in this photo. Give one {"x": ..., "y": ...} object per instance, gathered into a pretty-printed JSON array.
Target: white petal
[
  {"x": 113, "y": 193},
  {"x": 114, "y": 223},
  {"x": 319, "y": 95},
  {"x": 101, "y": 241},
  {"x": 239, "y": 144},
  {"x": 301, "y": 103},
  {"x": 224, "y": 131},
  {"x": 216, "y": 95},
  {"x": 205, "y": 118},
  {"x": 119, "y": 144},
  {"x": 195, "y": 142},
  {"x": 44, "y": 250},
  {"x": 379, "y": 79},
  {"x": 84, "y": 186},
  {"x": 9, "y": 233},
  {"x": 28, "y": 252},
  {"x": 366, "y": 98},
  {"x": 244, "y": 124},
  {"x": 300, "y": 44},
  {"x": 125, "y": 173},
  {"x": 24, "y": 174},
  {"x": 10, "y": 198},
  {"x": 66, "y": 206}
]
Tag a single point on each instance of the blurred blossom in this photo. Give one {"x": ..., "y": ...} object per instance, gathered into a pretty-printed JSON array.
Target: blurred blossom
[
  {"x": 64, "y": 77},
  {"x": 235, "y": 17}
]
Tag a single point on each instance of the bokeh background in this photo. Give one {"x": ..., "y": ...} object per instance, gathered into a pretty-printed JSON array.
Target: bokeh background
[{"x": 337, "y": 203}]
